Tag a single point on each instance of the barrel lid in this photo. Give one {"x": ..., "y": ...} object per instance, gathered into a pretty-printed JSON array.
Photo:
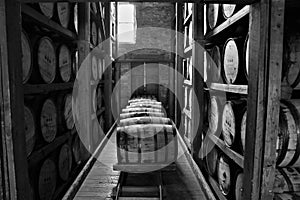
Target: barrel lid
[
  {"x": 26, "y": 56},
  {"x": 94, "y": 100},
  {"x": 68, "y": 115},
  {"x": 231, "y": 61},
  {"x": 63, "y": 10},
  {"x": 48, "y": 120},
  {"x": 65, "y": 162},
  {"x": 228, "y": 10},
  {"x": 243, "y": 130},
  {"x": 65, "y": 63},
  {"x": 29, "y": 128},
  {"x": 239, "y": 186},
  {"x": 47, "y": 180},
  {"x": 224, "y": 175},
  {"x": 47, "y": 59},
  {"x": 214, "y": 115},
  {"x": 228, "y": 124},
  {"x": 94, "y": 68},
  {"x": 100, "y": 68},
  {"x": 247, "y": 55},
  {"x": 212, "y": 15},
  {"x": 47, "y": 9}
]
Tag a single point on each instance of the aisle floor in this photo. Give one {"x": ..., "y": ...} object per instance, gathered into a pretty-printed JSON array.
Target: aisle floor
[{"x": 178, "y": 184}]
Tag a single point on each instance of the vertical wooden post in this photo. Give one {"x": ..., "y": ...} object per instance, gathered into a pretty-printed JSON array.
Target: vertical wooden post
[
  {"x": 198, "y": 71},
  {"x": 257, "y": 96},
  {"x": 13, "y": 159},
  {"x": 108, "y": 71}
]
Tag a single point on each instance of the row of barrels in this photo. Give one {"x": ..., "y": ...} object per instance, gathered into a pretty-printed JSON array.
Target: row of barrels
[
  {"x": 144, "y": 134},
  {"x": 229, "y": 119},
  {"x": 228, "y": 61},
  {"x": 46, "y": 61},
  {"x": 56, "y": 169},
  {"x": 46, "y": 118}
]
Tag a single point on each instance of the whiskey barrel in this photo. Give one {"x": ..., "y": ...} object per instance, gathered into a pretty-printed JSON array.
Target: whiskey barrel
[
  {"x": 26, "y": 56},
  {"x": 75, "y": 66},
  {"x": 99, "y": 96},
  {"x": 94, "y": 100},
  {"x": 148, "y": 143},
  {"x": 47, "y": 9},
  {"x": 94, "y": 33},
  {"x": 63, "y": 12},
  {"x": 144, "y": 120},
  {"x": 100, "y": 68},
  {"x": 145, "y": 102},
  {"x": 212, "y": 15},
  {"x": 48, "y": 120},
  {"x": 214, "y": 114},
  {"x": 141, "y": 114},
  {"x": 29, "y": 129},
  {"x": 94, "y": 68},
  {"x": 288, "y": 140},
  {"x": 243, "y": 131},
  {"x": 75, "y": 17},
  {"x": 238, "y": 186},
  {"x": 64, "y": 63},
  {"x": 287, "y": 180},
  {"x": 231, "y": 121},
  {"x": 246, "y": 56},
  {"x": 228, "y": 10},
  {"x": 65, "y": 111},
  {"x": 64, "y": 162},
  {"x": 46, "y": 59},
  {"x": 140, "y": 109},
  {"x": 47, "y": 180},
  {"x": 214, "y": 64},
  {"x": 211, "y": 158},
  {"x": 224, "y": 175}
]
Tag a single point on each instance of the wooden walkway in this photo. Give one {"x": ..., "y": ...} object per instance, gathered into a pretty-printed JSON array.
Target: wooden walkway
[{"x": 182, "y": 183}]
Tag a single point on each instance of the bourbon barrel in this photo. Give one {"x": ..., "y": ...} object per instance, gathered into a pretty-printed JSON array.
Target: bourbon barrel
[
  {"x": 47, "y": 180},
  {"x": 148, "y": 143},
  {"x": 233, "y": 71},
  {"x": 63, "y": 12},
  {"x": 212, "y": 15},
  {"x": 65, "y": 111},
  {"x": 211, "y": 158},
  {"x": 94, "y": 100},
  {"x": 238, "y": 186},
  {"x": 94, "y": 68},
  {"x": 145, "y": 120},
  {"x": 141, "y": 114},
  {"x": 64, "y": 63},
  {"x": 26, "y": 56},
  {"x": 129, "y": 110},
  {"x": 231, "y": 122},
  {"x": 214, "y": 114},
  {"x": 100, "y": 68},
  {"x": 64, "y": 162},
  {"x": 228, "y": 10},
  {"x": 246, "y": 57},
  {"x": 75, "y": 17},
  {"x": 47, "y": 9},
  {"x": 243, "y": 131},
  {"x": 224, "y": 175},
  {"x": 287, "y": 180},
  {"x": 48, "y": 120},
  {"x": 29, "y": 129}
]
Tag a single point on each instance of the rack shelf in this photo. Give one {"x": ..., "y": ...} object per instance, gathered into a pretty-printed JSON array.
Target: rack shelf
[
  {"x": 45, "y": 88},
  {"x": 239, "y": 89},
  {"x": 40, "y": 154},
  {"x": 237, "y": 158},
  {"x": 236, "y": 17},
  {"x": 45, "y": 22}
]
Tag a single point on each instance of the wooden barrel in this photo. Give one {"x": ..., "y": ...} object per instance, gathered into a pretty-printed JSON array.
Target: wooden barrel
[
  {"x": 48, "y": 120},
  {"x": 64, "y": 63},
  {"x": 47, "y": 9},
  {"x": 75, "y": 17},
  {"x": 144, "y": 120},
  {"x": 99, "y": 96},
  {"x": 238, "y": 186},
  {"x": 46, "y": 59},
  {"x": 148, "y": 143},
  {"x": 94, "y": 68},
  {"x": 99, "y": 36},
  {"x": 287, "y": 180},
  {"x": 231, "y": 122},
  {"x": 211, "y": 158},
  {"x": 63, "y": 12},
  {"x": 141, "y": 114},
  {"x": 68, "y": 111},
  {"x": 140, "y": 109},
  {"x": 47, "y": 180},
  {"x": 29, "y": 129},
  {"x": 75, "y": 66},
  {"x": 76, "y": 149},
  {"x": 143, "y": 100},
  {"x": 100, "y": 68},
  {"x": 26, "y": 56},
  {"x": 212, "y": 15},
  {"x": 94, "y": 33},
  {"x": 94, "y": 100},
  {"x": 96, "y": 133},
  {"x": 243, "y": 131},
  {"x": 75, "y": 109},
  {"x": 144, "y": 105},
  {"x": 214, "y": 64},
  {"x": 288, "y": 140},
  {"x": 224, "y": 175},
  {"x": 246, "y": 57},
  {"x": 65, "y": 162},
  {"x": 214, "y": 114},
  {"x": 228, "y": 10},
  {"x": 232, "y": 62}
]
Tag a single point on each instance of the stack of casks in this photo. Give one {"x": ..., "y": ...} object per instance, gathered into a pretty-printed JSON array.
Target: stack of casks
[
  {"x": 226, "y": 63},
  {"x": 145, "y": 135},
  {"x": 53, "y": 147}
]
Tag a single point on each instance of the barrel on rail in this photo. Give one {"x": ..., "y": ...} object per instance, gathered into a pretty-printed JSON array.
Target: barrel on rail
[
  {"x": 146, "y": 144},
  {"x": 144, "y": 120}
]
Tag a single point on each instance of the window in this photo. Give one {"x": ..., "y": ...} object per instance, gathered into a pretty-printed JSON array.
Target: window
[{"x": 126, "y": 23}]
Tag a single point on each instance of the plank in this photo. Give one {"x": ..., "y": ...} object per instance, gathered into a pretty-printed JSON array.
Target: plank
[
  {"x": 237, "y": 158},
  {"x": 238, "y": 89},
  {"x": 44, "y": 21},
  {"x": 225, "y": 25},
  {"x": 46, "y": 88}
]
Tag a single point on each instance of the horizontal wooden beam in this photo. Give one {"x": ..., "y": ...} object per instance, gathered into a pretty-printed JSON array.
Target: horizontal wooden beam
[{"x": 241, "y": 2}]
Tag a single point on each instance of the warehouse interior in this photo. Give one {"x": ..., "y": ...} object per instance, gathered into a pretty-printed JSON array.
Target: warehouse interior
[{"x": 137, "y": 100}]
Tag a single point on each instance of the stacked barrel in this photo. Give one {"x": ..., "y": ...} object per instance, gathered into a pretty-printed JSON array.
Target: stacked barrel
[{"x": 145, "y": 135}]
